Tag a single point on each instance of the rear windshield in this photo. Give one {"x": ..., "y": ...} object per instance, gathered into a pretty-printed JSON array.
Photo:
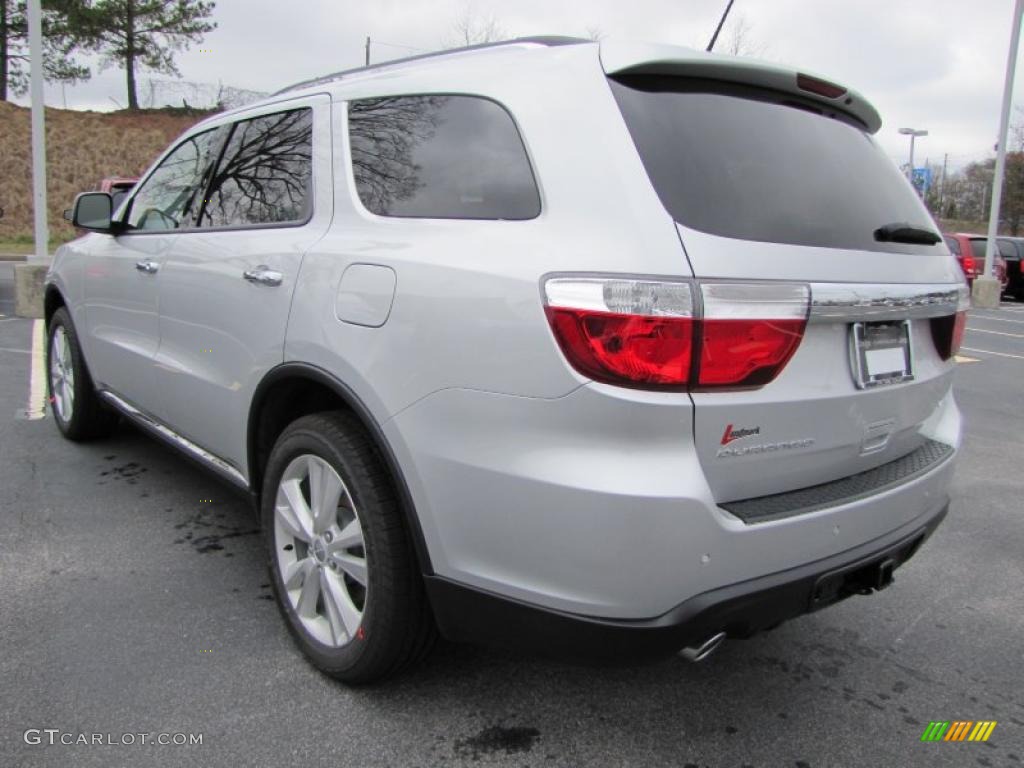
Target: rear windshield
[
  {"x": 748, "y": 163},
  {"x": 978, "y": 247}
]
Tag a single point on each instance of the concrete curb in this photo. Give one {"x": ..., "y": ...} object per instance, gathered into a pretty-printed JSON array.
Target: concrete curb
[{"x": 13, "y": 257}]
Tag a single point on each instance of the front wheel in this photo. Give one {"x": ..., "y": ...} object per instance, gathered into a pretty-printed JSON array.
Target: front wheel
[
  {"x": 76, "y": 408},
  {"x": 341, "y": 562}
]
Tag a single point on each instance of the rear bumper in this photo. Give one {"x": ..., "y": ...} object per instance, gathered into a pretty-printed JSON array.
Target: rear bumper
[{"x": 471, "y": 615}]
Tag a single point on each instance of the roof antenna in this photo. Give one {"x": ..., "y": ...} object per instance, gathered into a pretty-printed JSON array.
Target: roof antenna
[{"x": 718, "y": 29}]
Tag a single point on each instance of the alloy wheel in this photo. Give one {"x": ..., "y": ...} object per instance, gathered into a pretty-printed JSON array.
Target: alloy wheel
[
  {"x": 62, "y": 375},
  {"x": 321, "y": 553}
]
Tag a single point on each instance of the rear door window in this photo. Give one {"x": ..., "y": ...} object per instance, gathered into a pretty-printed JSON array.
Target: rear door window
[
  {"x": 264, "y": 175},
  {"x": 753, "y": 164},
  {"x": 446, "y": 157},
  {"x": 953, "y": 244}
]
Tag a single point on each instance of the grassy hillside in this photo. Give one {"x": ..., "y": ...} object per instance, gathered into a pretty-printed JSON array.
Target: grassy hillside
[{"x": 81, "y": 149}]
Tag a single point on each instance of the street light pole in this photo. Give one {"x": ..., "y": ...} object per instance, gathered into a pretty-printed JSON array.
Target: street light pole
[
  {"x": 913, "y": 133},
  {"x": 35, "y": 37},
  {"x": 987, "y": 294}
]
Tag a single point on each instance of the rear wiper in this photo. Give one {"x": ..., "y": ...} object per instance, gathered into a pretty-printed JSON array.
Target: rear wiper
[{"x": 901, "y": 232}]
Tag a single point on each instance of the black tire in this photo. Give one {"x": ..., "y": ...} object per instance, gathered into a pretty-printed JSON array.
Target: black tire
[
  {"x": 89, "y": 418},
  {"x": 397, "y": 627}
]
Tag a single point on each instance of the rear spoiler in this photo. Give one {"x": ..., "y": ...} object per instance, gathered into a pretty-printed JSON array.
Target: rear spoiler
[{"x": 629, "y": 58}]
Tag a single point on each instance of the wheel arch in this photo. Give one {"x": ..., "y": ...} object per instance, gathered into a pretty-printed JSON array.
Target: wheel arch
[
  {"x": 291, "y": 390},
  {"x": 53, "y": 300}
]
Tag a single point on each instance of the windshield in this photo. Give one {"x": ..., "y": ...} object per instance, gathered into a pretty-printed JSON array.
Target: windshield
[{"x": 746, "y": 163}]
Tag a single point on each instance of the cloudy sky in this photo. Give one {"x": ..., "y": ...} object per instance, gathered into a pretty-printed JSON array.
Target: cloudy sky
[{"x": 932, "y": 64}]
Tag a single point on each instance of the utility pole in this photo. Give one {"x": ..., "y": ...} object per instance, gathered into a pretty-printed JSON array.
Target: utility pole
[
  {"x": 35, "y": 45},
  {"x": 367, "y": 50},
  {"x": 721, "y": 23},
  {"x": 986, "y": 294},
  {"x": 942, "y": 186}
]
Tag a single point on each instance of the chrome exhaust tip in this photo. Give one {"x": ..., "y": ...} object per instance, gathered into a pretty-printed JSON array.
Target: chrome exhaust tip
[{"x": 700, "y": 652}]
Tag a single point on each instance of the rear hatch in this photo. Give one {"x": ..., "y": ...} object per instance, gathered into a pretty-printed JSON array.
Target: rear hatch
[{"x": 773, "y": 176}]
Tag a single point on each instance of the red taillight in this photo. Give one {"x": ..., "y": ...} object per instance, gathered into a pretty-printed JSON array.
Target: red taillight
[
  {"x": 644, "y": 333},
  {"x": 625, "y": 348},
  {"x": 746, "y": 353},
  {"x": 948, "y": 330},
  {"x": 749, "y": 331},
  {"x": 958, "y": 332},
  {"x": 968, "y": 265}
]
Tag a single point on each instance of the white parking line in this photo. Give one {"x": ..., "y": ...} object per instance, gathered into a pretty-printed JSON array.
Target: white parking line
[
  {"x": 990, "y": 352},
  {"x": 12, "y": 349},
  {"x": 37, "y": 377},
  {"x": 996, "y": 333},
  {"x": 973, "y": 316}
]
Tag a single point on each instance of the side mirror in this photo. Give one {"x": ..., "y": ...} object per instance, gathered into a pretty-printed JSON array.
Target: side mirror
[{"x": 92, "y": 211}]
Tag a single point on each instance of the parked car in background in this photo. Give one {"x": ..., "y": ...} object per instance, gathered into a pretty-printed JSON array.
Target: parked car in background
[
  {"x": 541, "y": 343},
  {"x": 118, "y": 188},
  {"x": 1012, "y": 250},
  {"x": 970, "y": 252}
]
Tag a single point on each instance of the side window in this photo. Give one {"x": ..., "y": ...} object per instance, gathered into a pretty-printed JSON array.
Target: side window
[
  {"x": 265, "y": 172},
  {"x": 954, "y": 245},
  {"x": 168, "y": 198},
  {"x": 448, "y": 157}
]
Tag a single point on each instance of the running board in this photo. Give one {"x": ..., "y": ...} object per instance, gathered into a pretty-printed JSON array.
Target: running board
[{"x": 183, "y": 444}]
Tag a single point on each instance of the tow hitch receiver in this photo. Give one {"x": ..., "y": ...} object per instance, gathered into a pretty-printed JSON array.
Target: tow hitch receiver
[{"x": 858, "y": 580}]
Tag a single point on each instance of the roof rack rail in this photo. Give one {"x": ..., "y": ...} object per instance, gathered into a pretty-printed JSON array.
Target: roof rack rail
[{"x": 548, "y": 40}]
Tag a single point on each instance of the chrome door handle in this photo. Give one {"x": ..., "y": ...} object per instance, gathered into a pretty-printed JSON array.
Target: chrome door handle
[
  {"x": 263, "y": 276},
  {"x": 147, "y": 266}
]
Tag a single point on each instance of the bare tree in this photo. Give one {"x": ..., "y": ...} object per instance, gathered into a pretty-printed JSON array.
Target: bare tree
[
  {"x": 741, "y": 42},
  {"x": 472, "y": 27},
  {"x": 595, "y": 33}
]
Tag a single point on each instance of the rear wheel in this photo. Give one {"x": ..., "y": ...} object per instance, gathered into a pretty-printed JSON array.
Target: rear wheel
[
  {"x": 75, "y": 405},
  {"x": 341, "y": 562}
]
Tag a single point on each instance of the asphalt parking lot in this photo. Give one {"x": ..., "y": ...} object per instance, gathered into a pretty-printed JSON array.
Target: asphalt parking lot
[{"x": 135, "y": 600}]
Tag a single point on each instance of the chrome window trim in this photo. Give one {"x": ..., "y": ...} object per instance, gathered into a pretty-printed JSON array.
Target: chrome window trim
[
  {"x": 161, "y": 430},
  {"x": 839, "y": 302}
]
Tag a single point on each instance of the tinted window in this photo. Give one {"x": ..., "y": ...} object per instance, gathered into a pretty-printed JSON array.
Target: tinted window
[
  {"x": 954, "y": 245},
  {"x": 1007, "y": 250},
  {"x": 978, "y": 247},
  {"x": 449, "y": 157},
  {"x": 264, "y": 175},
  {"x": 747, "y": 163},
  {"x": 169, "y": 197}
]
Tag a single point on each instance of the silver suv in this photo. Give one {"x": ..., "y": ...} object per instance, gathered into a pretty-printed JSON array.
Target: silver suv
[{"x": 605, "y": 350}]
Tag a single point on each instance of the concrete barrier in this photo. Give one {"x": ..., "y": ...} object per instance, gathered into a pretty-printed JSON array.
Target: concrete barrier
[
  {"x": 28, "y": 289},
  {"x": 985, "y": 293}
]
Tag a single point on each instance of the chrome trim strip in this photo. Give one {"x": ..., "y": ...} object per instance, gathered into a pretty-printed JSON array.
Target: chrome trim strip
[
  {"x": 838, "y": 302},
  {"x": 144, "y": 420}
]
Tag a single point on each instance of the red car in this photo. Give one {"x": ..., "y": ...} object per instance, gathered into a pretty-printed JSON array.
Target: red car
[
  {"x": 970, "y": 252},
  {"x": 117, "y": 187}
]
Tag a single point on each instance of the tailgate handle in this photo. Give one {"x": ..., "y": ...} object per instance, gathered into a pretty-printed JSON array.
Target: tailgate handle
[{"x": 877, "y": 436}]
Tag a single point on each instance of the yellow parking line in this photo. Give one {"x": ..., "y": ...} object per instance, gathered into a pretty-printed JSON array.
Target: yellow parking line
[
  {"x": 37, "y": 377},
  {"x": 963, "y": 359}
]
